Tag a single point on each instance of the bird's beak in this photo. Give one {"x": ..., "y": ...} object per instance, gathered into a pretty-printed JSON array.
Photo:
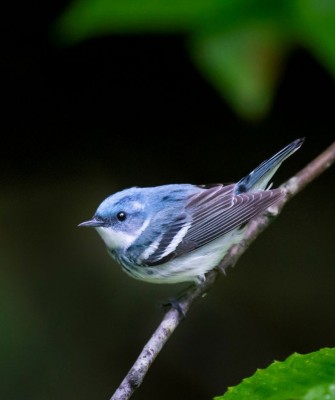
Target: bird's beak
[{"x": 93, "y": 223}]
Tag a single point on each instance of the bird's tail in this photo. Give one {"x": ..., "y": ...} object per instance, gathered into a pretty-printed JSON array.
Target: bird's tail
[{"x": 259, "y": 178}]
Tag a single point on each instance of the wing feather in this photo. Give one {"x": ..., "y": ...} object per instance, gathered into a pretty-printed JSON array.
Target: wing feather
[{"x": 209, "y": 214}]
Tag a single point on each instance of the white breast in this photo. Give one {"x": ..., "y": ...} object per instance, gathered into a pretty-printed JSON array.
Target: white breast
[{"x": 189, "y": 267}]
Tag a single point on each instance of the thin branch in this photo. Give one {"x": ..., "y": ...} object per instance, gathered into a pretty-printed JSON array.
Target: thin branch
[{"x": 173, "y": 317}]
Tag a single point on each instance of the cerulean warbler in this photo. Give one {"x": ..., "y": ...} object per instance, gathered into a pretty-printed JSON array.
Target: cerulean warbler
[{"x": 177, "y": 233}]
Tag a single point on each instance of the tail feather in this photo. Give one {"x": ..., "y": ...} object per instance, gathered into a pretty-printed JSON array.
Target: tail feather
[{"x": 259, "y": 178}]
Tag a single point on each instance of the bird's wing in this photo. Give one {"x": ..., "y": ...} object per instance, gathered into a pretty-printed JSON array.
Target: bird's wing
[{"x": 209, "y": 214}]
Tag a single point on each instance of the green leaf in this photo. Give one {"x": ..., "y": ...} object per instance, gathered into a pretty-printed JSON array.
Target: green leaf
[
  {"x": 315, "y": 24},
  {"x": 244, "y": 65},
  {"x": 299, "y": 377},
  {"x": 322, "y": 392},
  {"x": 239, "y": 45},
  {"x": 86, "y": 18}
]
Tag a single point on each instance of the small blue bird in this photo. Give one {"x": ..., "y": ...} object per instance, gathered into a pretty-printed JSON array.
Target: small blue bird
[{"x": 176, "y": 233}]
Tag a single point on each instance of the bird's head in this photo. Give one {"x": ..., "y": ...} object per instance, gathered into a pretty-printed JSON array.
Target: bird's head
[{"x": 121, "y": 218}]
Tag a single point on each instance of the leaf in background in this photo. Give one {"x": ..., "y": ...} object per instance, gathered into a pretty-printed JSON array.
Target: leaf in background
[
  {"x": 243, "y": 65},
  {"x": 315, "y": 22},
  {"x": 87, "y": 18},
  {"x": 299, "y": 377},
  {"x": 240, "y": 45}
]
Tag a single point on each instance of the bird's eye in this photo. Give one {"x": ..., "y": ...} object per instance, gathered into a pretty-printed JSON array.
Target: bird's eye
[{"x": 121, "y": 216}]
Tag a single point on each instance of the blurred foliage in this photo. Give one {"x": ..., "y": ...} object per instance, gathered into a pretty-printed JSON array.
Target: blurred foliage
[
  {"x": 305, "y": 377},
  {"x": 240, "y": 45}
]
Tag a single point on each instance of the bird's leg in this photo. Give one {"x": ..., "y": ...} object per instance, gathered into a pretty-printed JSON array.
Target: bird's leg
[{"x": 176, "y": 301}]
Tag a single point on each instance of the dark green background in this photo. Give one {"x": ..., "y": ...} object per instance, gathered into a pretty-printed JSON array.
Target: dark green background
[{"x": 81, "y": 122}]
